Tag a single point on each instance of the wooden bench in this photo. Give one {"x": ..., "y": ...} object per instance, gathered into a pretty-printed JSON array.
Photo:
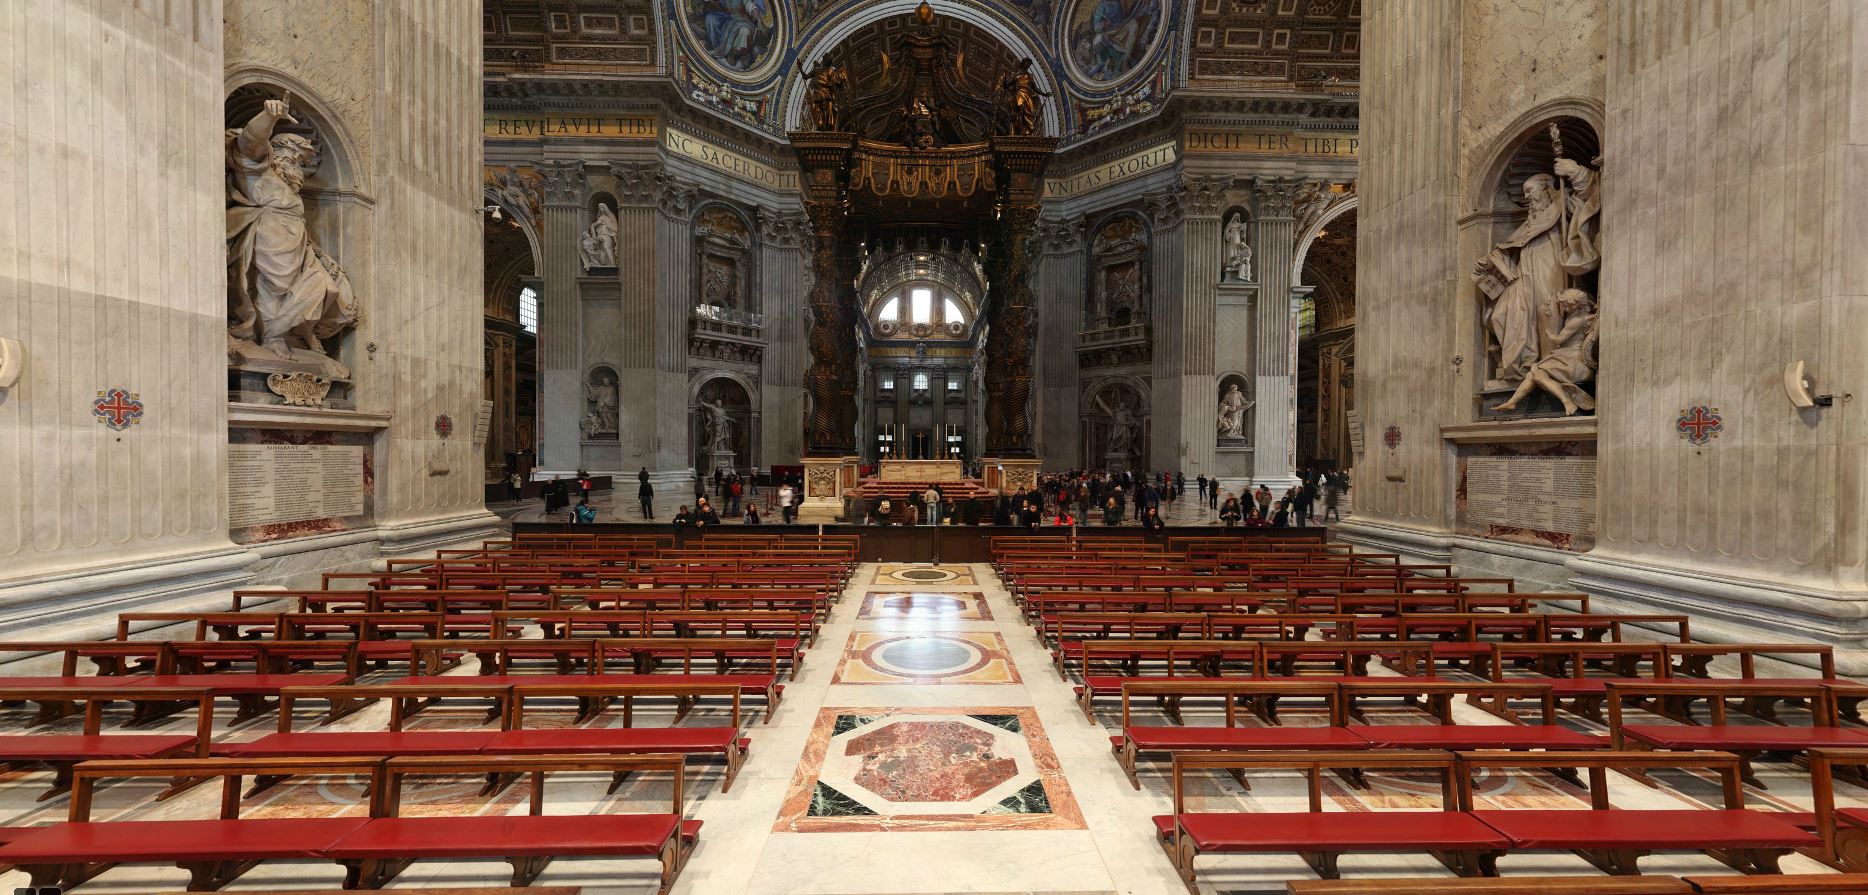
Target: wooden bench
[
  {"x": 1745, "y": 740},
  {"x": 1748, "y": 841},
  {"x": 1517, "y": 885},
  {"x": 1457, "y": 839},
  {"x": 63, "y": 752},
  {"x": 373, "y": 849},
  {"x": 1136, "y": 739},
  {"x": 1198, "y": 659}
]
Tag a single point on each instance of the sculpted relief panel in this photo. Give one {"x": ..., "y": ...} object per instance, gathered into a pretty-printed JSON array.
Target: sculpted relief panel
[
  {"x": 1119, "y": 271},
  {"x": 1537, "y": 286}
]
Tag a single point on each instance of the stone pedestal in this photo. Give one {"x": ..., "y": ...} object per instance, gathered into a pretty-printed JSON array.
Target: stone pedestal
[
  {"x": 1011, "y": 473},
  {"x": 824, "y": 487},
  {"x": 720, "y": 460},
  {"x": 1116, "y": 462}
]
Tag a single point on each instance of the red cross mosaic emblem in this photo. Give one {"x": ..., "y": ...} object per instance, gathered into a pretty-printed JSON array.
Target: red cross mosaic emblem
[
  {"x": 444, "y": 425},
  {"x": 1699, "y": 423},
  {"x": 117, "y": 408},
  {"x": 1391, "y": 437}
]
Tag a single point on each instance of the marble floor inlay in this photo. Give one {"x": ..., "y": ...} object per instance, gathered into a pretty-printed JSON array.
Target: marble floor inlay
[
  {"x": 917, "y": 605},
  {"x": 893, "y": 657},
  {"x": 900, "y": 769},
  {"x": 910, "y": 573}
]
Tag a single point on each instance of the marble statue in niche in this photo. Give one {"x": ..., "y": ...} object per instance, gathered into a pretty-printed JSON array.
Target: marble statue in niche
[
  {"x": 1238, "y": 251},
  {"x": 1119, "y": 440},
  {"x": 1557, "y": 246},
  {"x": 597, "y": 249},
  {"x": 1232, "y": 408},
  {"x": 286, "y": 295},
  {"x": 1570, "y": 362},
  {"x": 600, "y": 402},
  {"x": 719, "y": 427}
]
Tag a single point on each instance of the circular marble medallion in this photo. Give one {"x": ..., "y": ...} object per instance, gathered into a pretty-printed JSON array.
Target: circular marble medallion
[
  {"x": 926, "y": 575},
  {"x": 925, "y": 657},
  {"x": 741, "y": 39}
]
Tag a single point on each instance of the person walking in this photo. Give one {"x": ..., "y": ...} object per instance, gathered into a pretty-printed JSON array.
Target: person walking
[
  {"x": 1300, "y": 505},
  {"x": 645, "y": 495},
  {"x": 931, "y": 499},
  {"x": 1263, "y": 498},
  {"x": 1201, "y": 482},
  {"x": 785, "y": 512},
  {"x": 1332, "y": 496}
]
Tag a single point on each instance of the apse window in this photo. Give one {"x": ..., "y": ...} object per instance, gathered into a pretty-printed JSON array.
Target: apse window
[
  {"x": 953, "y": 385},
  {"x": 921, "y": 382},
  {"x": 528, "y": 310},
  {"x": 891, "y": 310},
  {"x": 922, "y": 304},
  {"x": 951, "y": 309}
]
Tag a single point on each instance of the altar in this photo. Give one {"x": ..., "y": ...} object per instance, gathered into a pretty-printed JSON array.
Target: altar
[{"x": 920, "y": 471}]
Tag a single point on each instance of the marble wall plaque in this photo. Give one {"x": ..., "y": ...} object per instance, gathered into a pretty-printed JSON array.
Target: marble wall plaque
[
  {"x": 1544, "y": 494},
  {"x": 272, "y": 483}
]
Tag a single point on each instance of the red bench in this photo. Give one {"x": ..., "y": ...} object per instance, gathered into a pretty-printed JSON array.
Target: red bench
[
  {"x": 62, "y": 752},
  {"x": 373, "y": 849},
  {"x": 1746, "y": 740},
  {"x": 1136, "y": 739}
]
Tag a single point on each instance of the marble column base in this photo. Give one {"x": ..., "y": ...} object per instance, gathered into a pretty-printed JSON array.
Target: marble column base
[
  {"x": 83, "y": 603},
  {"x": 1729, "y": 608},
  {"x": 424, "y": 536}
]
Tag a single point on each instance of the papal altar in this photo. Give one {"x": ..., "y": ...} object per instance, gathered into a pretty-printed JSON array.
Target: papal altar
[{"x": 920, "y": 471}]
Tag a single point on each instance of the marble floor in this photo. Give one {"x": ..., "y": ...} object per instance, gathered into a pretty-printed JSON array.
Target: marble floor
[{"x": 889, "y": 769}]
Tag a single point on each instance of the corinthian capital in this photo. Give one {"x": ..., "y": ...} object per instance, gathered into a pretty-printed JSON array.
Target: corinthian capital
[
  {"x": 1166, "y": 207},
  {"x": 1276, "y": 196},
  {"x": 1205, "y": 196},
  {"x": 637, "y": 183},
  {"x": 562, "y": 182},
  {"x": 784, "y": 229},
  {"x": 1059, "y": 236},
  {"x": 676, "y": 197}
]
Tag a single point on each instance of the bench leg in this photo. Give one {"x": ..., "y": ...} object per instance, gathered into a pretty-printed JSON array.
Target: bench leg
[
  {"x": 209, "y": 876},
  {"x": 1749, "y": 860},
  {"x": 1125, "y": 756},
  {"x": 1469, "y": 863},
  {"x": 1324, "y": 863},
  {"x": 616, "y": 782},
  {"x": 264, "y": 782},
  {"x": 373, "y": 873},
  {"x": 1616, "y": 861},
  {"x": 672, "y": 858},
  {"x": 1182, "y": 855},
  {"x": 525, "y": 870},
  {"x": 496, "y": 781},
  {"x": 1851, "y": 854},
  {"x": 61, "y": 780},
  {"x": 249, "y": 707},
  {"x": 64, "y": 877}
]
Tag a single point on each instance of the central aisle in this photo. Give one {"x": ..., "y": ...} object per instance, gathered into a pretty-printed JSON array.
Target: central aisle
[{"x": 928, "y": 746}]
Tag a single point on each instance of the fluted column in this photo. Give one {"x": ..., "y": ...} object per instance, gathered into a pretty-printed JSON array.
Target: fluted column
[
  {"x": 638, "y": 194},
  {"x": 1204, "y": 198},
  {"x": 785, "y": 237},
  {"x": 1059, "y": 284},
  {"x": 560, "y": 374},
  {"x": 1167, "y": 315},
  {"x": 674, "y": 302},
  {"x": 1274, "y": 356}
]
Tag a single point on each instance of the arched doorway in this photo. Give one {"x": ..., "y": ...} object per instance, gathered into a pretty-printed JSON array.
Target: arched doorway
[
  {"x": 1326, "y": 347},
  {"x": 509, "y": 338}
]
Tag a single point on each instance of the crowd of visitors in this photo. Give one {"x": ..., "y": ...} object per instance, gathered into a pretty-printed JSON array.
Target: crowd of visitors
[{"x": 1078, "y": 497}]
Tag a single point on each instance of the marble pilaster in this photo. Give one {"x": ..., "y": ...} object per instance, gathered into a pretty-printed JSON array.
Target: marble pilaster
[
  {"x": 784, "y": 246},
  {"x": 1205, "y": 199},
  {"x": 672, "y": 454},
  {"x": 560, "y": 372},
  {"x": 1168, "y": 319},
  {"x": 1059, "y": 285},
  {"x": 637, "y": 187},
  {"x": 1274, "y": 354}
]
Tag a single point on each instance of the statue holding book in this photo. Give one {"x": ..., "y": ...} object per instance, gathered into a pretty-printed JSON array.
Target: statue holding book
[{"x": 1522, "y": 276}]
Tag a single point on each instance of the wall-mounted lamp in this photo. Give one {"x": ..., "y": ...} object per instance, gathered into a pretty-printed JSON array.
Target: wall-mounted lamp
[{"x": 1799, "y": 389}]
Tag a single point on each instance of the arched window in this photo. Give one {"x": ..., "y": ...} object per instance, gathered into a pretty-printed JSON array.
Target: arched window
[
  {"x": 921, "y": 382},
  {"x": 528, "y": 309},
  {"x": 950, "y": 311},
  {"x": 922, "y": 303},
  {"x": 891, "y": 310}
]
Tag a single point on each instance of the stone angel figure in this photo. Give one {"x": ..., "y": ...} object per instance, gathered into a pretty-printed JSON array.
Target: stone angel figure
[
  {"x": 597, "y": 248},
  {"x": 1238, "y": 251},
  {"x": 1571, "y": 359},
  {"x": 1018, "y": 101},
  {"x": 825, "y": 94}
]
